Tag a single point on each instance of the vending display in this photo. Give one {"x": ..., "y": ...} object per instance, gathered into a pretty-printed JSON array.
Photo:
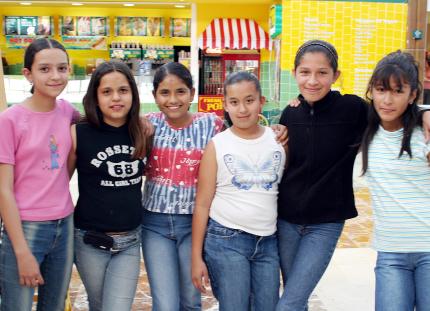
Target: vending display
[
  {"x": 212, "y": 75},
  {"x": 217, "y": 68}
]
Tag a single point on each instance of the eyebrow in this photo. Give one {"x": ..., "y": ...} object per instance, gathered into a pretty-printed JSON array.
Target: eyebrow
[{"x": 47, "y": 64}]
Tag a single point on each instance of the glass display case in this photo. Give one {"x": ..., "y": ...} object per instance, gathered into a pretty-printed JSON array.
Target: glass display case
[{"x": 216, "y": 69}]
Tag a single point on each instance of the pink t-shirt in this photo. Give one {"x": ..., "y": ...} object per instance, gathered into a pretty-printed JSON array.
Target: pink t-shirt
[{"x": 37, "y": 145}]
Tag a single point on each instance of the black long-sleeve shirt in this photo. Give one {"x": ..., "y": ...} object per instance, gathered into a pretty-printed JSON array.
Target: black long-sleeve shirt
[{"x": 323, "y": 143}]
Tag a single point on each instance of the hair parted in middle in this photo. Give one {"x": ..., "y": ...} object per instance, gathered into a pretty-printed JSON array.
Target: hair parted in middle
[{"x": 93, "y": 114}]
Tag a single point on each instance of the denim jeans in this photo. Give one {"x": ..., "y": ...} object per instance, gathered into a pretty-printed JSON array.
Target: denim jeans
[
  {"x": 109, "y": 276},
  {"x": 51, "y": 243},
  {"x": 243, "y": 268},
  {"x": 166, "y": 246},
  {"x": 402, "y": 281},
  {"x": 305, "y": 252}
]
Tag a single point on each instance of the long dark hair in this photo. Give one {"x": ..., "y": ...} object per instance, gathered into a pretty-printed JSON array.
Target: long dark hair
[
  {"x": 37, "y": 46},
  {"x": 403, "y": 69},
  {"x": 94, "y": 116}
]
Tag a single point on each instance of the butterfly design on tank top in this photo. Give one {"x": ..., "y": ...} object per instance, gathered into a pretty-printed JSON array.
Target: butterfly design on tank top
[{"x": 246, "y": 174}]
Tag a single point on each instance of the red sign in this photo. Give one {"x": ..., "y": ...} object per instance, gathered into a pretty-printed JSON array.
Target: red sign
[{"x": 211, "y": 103}]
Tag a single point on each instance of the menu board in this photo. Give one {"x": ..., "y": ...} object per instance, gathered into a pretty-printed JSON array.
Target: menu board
[
  {"x": 84, "y": 26},
  {"x": 180, "y": 27},
  {"x": 85, "y": 42},
  {"x": 139, "y": 26},
  {"x": 362, "y": 32},
  {"x": 28, "y": 26}
]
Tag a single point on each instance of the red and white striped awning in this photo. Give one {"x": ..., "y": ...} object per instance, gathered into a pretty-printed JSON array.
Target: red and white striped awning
[{"x": 234, "y": 33}]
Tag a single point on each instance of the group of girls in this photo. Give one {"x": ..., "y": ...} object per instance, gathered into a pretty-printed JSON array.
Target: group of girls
[
  {"x": 232, "y": 238},
  {"x": 244, "y": 205},
  {"x": 110, "y": 150}
]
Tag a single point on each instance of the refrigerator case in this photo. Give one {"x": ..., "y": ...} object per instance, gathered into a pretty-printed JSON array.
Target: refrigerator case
[{"x": 217, "y": 68}]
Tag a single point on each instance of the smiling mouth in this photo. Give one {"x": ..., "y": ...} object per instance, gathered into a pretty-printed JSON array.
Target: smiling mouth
[
  {"x": 313, "y": 90},
  {"x": 173, "y": 107},
  {"x": 116, "y": 107}
]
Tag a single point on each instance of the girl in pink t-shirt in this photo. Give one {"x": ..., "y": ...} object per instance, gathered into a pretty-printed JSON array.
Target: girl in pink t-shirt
[{"x": 35, "y": 203}]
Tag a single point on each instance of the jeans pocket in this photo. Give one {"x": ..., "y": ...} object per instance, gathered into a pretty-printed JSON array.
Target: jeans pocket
[{"x": 217, "y": 230}]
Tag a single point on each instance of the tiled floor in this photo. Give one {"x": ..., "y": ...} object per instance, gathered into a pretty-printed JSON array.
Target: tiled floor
[{"x": 356, "y": 234}]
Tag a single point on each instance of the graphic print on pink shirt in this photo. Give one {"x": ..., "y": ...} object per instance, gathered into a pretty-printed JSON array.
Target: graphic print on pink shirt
[
  {"x": 179, "y": 172},
  {"x": 53, "y": 147}
]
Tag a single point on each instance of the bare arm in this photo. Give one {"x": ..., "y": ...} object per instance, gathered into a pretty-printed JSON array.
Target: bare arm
[
  {"x": 426, "y": 124},
  {"x": 205, "y": 192},
  {"x": 28, "y": 267},
  {"x": 71, "y": 160}
]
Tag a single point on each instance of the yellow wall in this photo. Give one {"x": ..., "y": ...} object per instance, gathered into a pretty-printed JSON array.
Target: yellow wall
[
  {"x": 362, "y": 32},
  {"x": 258, "y": 12},
  {"x": 205, "y": 14},
  {"x": 80, "y": 56}
]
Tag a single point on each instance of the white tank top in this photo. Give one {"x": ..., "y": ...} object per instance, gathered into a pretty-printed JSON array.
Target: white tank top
[{"x": 249, "y": 171}]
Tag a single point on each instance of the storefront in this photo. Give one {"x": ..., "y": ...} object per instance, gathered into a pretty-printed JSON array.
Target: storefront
[
  {"x": 227, "y": 45},
  {"x": 144, "y": 37}
]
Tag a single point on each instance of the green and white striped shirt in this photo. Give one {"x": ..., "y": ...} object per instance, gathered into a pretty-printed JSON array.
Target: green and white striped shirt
[{"x": 400, "y": 192}]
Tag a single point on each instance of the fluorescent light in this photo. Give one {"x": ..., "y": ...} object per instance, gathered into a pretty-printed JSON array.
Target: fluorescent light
[
  {"x": 25, "y": 3},
  {"x": 76, "y": 3},
  {"x": 128, "y": 4},
  {"x": 179, "y": 6}
]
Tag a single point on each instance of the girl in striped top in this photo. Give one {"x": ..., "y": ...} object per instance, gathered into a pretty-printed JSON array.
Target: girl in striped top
[{"x": 395, "y": 162}]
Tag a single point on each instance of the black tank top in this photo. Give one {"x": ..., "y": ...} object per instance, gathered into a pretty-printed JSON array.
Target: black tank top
[{"x": 109, "y": 179}]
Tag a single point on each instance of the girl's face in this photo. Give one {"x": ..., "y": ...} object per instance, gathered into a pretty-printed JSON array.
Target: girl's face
[
  {"x": 49, "y": 72},
  {"x": 173, "y": 98},
  {"x": 390, "y": 104},
  {"x": 243, "y": 103},
  {"x": 114, "y": 97},
  {"x": 315, "y": 76}
]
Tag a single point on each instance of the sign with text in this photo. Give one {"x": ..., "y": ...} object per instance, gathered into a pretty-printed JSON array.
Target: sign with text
[
  {"x": 211, "y": 103},
  {"x": 84, "y": 43}
]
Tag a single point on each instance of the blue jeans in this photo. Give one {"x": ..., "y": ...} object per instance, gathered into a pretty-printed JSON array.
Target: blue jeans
[
  {"x": 109, "y": 276},
  {"x": 51, "y": 243},
  {"x": 402, "y": 281},
  {"x": 166, "y": 247},
  {"x": 305, "y": 252},
  {"x": 243, "y": 268}
]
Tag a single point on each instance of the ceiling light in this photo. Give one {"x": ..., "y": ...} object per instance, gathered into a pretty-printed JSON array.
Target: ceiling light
[
  {"x": 25, "y": 3},
  {"x": 76, "y": 3},
  {"x": 128, "y": 4},
  {"x": 179, "y": 6}
]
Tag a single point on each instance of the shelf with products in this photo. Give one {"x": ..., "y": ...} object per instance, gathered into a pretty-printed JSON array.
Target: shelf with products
[{"x": 213, "y": 75}]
